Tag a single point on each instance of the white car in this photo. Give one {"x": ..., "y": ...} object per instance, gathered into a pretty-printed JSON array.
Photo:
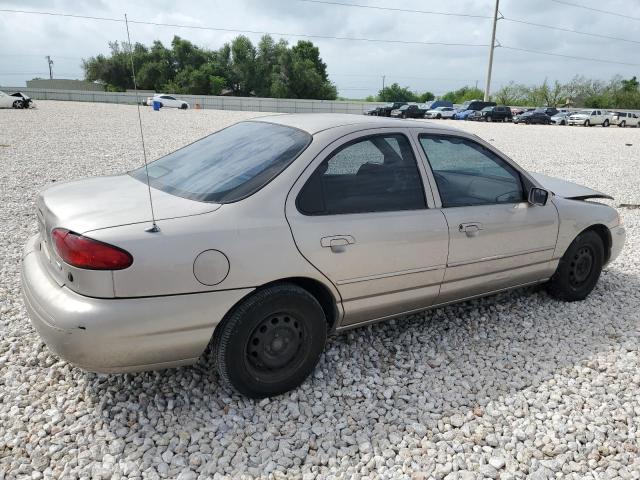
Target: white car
[
  {"x": 625, "y": 119},
  {"x": 167, "y": 101},
  {"x": 589, "y": 118},
  {"x": 440, "y": 112},
  {"x": 9, "y": 101}
]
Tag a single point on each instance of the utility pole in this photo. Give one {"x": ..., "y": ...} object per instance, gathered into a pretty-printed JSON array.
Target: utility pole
[
  {"x": 492, "y": 46},
  {"x": 383, "y": 77},
  {"x": 50, "y": 62}
]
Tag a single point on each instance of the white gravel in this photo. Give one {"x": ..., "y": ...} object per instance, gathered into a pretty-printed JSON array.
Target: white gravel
[{"x": 512, "y": 386}]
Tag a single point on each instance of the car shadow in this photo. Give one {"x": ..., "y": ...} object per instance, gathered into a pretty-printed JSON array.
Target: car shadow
[{"x": 419, "y": 369}]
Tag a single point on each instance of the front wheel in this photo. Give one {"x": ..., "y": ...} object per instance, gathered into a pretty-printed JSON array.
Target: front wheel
[
  {"x": 622, "y": 124},
  {"x": 271, "y": 342},
  {"x": 587, "y": 123},
  {"x": 184, "y": 106},
  {"x": 579, "y": 268},
  {"x": 18, "y": 104},
  {"x": 605, "y": 123}
]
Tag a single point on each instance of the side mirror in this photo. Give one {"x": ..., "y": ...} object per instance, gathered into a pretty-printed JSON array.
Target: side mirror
[{"x": 538, "y": 196}]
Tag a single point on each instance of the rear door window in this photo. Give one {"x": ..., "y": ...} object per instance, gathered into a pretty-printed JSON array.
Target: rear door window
[{"x": 377, "y": 173}]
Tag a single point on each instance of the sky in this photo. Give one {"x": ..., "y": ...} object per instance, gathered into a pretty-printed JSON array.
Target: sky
[{"x": 355, "y": 67}]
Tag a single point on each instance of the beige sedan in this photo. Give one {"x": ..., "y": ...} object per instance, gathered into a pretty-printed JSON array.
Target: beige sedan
[{"x": 273, "y": 232}]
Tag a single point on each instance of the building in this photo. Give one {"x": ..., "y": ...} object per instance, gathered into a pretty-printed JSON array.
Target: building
[{"x": 64, "y": 84}]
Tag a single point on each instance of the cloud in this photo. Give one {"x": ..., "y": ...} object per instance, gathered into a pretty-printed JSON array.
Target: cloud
[{"x": 355, "y": 66}]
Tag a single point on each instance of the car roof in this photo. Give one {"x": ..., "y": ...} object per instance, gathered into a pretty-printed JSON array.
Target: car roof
[{"x": 317, "y": 122}]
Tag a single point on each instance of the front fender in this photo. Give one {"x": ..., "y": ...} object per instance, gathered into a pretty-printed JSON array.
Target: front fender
[{"x": 578, "y": 215}]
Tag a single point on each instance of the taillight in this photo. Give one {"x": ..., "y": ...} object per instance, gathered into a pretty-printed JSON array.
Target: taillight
[{"x": 84, "y": 252}]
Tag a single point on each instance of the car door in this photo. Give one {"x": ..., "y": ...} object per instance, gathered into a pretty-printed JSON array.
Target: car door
[
  {"x": 361, "y": 216},
  {"x": 169, "y": 101},
  {"x": 496, "y": 238}
]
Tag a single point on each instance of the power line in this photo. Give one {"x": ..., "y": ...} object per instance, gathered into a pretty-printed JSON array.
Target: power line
[
  {"x": 218, "y": 29},
  {"x": 607, "y": 12},
  {"x": 540, "y": 52},
  {"x": 562, "y": 29},
  {"x": 375, "y": 7}
]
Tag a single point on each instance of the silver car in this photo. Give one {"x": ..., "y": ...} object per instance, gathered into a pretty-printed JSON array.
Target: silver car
[{"x": 275, "y": 231}]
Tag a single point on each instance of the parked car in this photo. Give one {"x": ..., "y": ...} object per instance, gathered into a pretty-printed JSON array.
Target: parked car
[
  {"x": 409, "y": 111},
  {"x": 551, "y": 111},
  {"x": 499, "y": 113},
  {"x": 371, "y": 111},
  {"x": 167, "y": 101},
  {"x": 462, "y": 114},
  {"x": 560, "y": 118},
  {"x": 277, "y": 230},
  {"x": 440, "y": 103},
  {"x": 9, "y": 101},
  {"x": 590, "y": 117},
  {"x": 440, "y": 112},
  {"x": 625, "y": 119},
  {"x": 478, "y": 105},
  {"x": 26, "y": 100},
  {"x": 385, "y": 110},
  {"x": 531, "y": 117}
]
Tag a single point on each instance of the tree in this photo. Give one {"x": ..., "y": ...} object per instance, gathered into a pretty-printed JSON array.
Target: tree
[
  {"x": 396, "y": 93},
  {"x": 271, "y": 69},
  {"x": 463, "y": 94}
]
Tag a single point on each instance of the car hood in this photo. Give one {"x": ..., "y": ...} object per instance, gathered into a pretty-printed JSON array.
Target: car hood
[
  {"x": 566, "y": 189},
  {"x": 579, "y": 115},
  {"x": 102, "y": 202}
]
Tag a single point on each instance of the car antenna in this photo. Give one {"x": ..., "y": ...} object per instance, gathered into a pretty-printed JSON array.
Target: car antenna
[{"x": 154, "y": 227}]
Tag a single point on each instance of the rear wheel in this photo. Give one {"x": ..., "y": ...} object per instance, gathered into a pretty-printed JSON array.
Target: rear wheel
[
  {"x": 438, "y": 116},
  {"x": 184, "y": 106},
  {"x": 605, "y": 123},
  {"x": 271, "y": 342},
  {"x": 622, "y": 124},
  {"x": 579, "y": 268}
]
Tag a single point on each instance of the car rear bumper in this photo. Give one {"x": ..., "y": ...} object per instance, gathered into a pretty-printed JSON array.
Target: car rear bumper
[
  {"x": 618, "y": 236},
  {"x": 120, "y": 334}
]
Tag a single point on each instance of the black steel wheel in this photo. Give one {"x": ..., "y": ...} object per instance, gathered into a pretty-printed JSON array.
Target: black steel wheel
[
  {"x": 271, "y": 341},
  {"x": 579, "y": 268}
]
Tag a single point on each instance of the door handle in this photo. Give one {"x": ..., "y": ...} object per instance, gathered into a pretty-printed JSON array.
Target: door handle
[
  {"x": 471, "y": 229},
  {"x": 337, "y": 243}
]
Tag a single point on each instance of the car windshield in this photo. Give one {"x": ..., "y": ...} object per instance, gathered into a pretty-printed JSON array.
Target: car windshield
[
  {"x": 227, "y": 165},
  {"x": 487, "y": 109},
  {"x": 404, "y": 107}
]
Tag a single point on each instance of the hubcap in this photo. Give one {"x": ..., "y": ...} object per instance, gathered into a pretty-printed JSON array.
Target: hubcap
[
  {"x": 581, "y": 266},
  {"x": 275, "y": 343}
]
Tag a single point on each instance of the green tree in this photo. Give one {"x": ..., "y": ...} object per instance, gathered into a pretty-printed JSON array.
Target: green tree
[
  {"x": 463, "y": 94},
  {"x": 396, "y": 93}
]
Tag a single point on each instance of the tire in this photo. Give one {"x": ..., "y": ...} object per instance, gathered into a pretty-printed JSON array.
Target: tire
[
  {"x": 579, "y": 268},
  {"x": 184, "y": 106},
  {"x": 404, "y": 116},
  {"x": 605, "y": 124},
  {"x": 244, "y": 343},
  {"x": 622, "y": 124},
  {"x": 488, "y": 119},
  {"x": 587, "y": 123},
  {"x": 439, "y": 116},
  {"x": 18, "y": 104}
]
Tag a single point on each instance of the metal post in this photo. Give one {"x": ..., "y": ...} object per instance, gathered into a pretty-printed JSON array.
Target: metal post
[
  {"x": 383, "y": 77},
  {"x": 492, "y": 46},
  {"x": 50, "y": 62}
]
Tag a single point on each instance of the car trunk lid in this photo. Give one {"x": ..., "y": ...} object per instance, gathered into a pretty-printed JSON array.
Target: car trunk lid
[
  {"x": 92, "y": 204},
  {"x": 111, "y": 201}
]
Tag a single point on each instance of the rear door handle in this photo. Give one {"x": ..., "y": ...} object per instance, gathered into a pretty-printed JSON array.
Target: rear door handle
[
  {"x": 337, "y": 243},
  {"x": 471, "y": 229}
]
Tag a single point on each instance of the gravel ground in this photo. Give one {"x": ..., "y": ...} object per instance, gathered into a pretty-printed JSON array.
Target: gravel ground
[{"x": 512, "y": 386}]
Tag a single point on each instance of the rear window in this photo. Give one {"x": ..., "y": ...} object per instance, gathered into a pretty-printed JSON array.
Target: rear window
[{"x": 227, "y": 165}]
